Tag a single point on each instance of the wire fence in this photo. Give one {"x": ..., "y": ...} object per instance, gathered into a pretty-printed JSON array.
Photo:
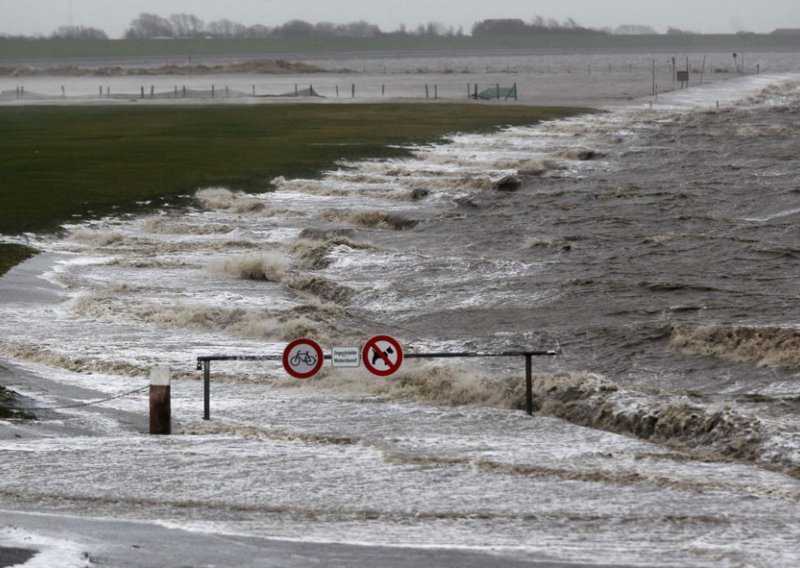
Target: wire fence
[
  {"x": 449, "y": 90},
  {"x": 81, "y": 404}
]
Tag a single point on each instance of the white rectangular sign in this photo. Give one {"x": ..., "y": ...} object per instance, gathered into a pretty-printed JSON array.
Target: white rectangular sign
[{"x": 345, "y": 357}]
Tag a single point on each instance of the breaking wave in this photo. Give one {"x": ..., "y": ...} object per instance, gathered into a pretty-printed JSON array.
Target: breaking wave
[
  {"x": 269, "y": 267},
  {"x": 42, "y": 356},
  {"x": 370, "y": 218},
  {"x": 169, "y": 226},
  {"x": 218, "y": 198},
  {"x": 770, "y": 346},
  {"x": 238, "y": 322},
  {"x": 321, "y": 288},
  {"x": 97, "y": 238},
  {"x": 311, "y": 252}
]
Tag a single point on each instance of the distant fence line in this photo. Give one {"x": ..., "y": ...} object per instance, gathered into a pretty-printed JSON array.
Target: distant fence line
[
  {"x": 448, "y": 88},
  {"x": 352, "y": 90}
]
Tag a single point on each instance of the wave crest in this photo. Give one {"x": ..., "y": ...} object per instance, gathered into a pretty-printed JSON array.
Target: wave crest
[
  {"x": 218, "y": 198},
  {"x": 269, "y": 267},
  {"x": 770, "y": 346}
]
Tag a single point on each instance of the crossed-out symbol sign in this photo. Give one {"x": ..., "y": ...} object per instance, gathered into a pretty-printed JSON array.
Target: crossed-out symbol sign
[
  {"x": 302, "y": 358},
  {"x": 382, "y": 355}
]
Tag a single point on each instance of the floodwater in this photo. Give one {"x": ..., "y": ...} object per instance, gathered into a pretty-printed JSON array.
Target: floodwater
[
  {"x": 585, "y": 79},
  {"x": 656, "y": 247}
]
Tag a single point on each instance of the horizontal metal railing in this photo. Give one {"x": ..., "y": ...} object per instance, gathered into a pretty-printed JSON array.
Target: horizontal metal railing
[{"x": 204, "y": 364}]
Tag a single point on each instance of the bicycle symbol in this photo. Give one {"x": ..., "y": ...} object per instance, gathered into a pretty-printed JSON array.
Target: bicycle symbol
[{"x": 304, "y": 357}]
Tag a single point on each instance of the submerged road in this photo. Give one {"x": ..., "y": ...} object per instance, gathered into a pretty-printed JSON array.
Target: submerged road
[{"x": 75, "y": 541}]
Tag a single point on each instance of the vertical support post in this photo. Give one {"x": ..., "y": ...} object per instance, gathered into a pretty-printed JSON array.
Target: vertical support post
[
  {"x": 337, "y": 91},
  {"x": 654, "y": 77},
  {"x": 184, "y": 91},
  {"x": 435, "y": 90},
  {"x": 160, "y": 405},
  {"x": 498, "y": 91},
  {"x": 206, "y": 390},
  {"x": 142, "y": 89},
  {"x": 353, "y": 91},
  {"x": 152, "y": 91},
  {"x": 254, "y": 90},
  {"x": 529, "y": 384},
  {"x": 426, "y": 92},
  {"x": 213, "y": 90}
]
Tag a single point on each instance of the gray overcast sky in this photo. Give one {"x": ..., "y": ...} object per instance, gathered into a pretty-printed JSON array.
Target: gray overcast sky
[{"x": 31, "y": 17}]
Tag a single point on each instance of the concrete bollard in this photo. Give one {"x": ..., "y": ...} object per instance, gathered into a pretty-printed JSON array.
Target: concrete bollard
[{"x": 160, "y": 407}]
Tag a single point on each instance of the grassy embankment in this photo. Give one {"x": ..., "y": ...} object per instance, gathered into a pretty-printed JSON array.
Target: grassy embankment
[{"x": 63, "y": 163}]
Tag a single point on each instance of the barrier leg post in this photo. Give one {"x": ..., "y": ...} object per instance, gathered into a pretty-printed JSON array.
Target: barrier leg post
[
  {"x": 206, "y": 390},
  {"x": 529, "y": 384}
]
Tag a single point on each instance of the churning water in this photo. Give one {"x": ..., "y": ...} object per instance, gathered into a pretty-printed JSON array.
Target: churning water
[{"x": 657, "y": 247}]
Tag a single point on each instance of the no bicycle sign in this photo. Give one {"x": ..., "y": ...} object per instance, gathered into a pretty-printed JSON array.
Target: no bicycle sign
[
  {"x": 382, "y": 355},
  {"x": 302, "y": 358}
]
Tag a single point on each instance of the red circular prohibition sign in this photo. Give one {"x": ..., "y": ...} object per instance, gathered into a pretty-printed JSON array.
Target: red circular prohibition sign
[
  {"x": 391, "y": 357},
  {"x": 302, "y": 358}
]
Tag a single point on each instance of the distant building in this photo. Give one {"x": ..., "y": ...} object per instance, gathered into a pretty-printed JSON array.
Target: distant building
[{"x": 786, "y": 31}]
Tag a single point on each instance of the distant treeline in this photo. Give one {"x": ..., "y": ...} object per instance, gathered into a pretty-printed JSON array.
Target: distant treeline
[
  {"x": 538, "y": 25},
  {"x": 189, "y": 26},
  {"x": 177, "y": 26}
]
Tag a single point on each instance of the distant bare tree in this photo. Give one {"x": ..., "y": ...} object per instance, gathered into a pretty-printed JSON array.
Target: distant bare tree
[
  {"x": 295, "y": 28},
  {"x": 258, "y": 31},
  {"x": 226, "y": 28},
  {"x": 186, "y": 25},
  {"x": 148, "y": 26},
  {"x": 360, "y": 29},
  {"x": 78, "y": 32}
]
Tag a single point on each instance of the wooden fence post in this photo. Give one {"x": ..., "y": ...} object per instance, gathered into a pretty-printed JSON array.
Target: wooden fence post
[{"x": 160, "y": 406}]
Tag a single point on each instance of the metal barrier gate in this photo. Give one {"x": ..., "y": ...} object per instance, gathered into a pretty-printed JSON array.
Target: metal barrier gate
[{"x": 204, "y": 364}]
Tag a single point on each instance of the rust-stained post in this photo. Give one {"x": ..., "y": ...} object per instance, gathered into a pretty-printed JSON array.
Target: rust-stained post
[
  {"x": 160, "y": 406},
  {"x": 529, "y": 383},
  {"x": 206, "y": 390}
]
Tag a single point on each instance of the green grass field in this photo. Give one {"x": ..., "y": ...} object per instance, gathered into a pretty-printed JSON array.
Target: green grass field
[{"x": 63, "y": 163}]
